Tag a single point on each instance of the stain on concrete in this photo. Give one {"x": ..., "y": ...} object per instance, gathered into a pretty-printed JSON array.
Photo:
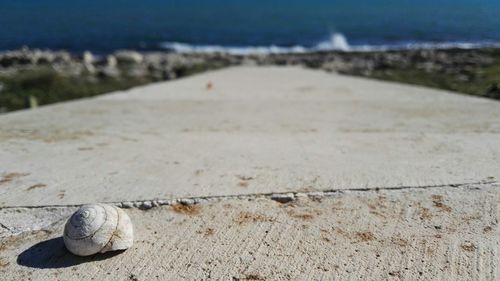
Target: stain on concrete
[
  {"x": 207, "y": 232},
  {"x": 243, "y": 184},
  {"x": 468, "y": 246},
  {"x": 400, "y": 241},
  {"x": 248, "y": 217},
  {"x": 487, "y": 229},
  {"x": 252, "y": 277},
  {"x": 44, "y": 135},
  {"x": 61, "y": 194},
  {"x": 191, "y": 210},
  {"x": 365, "y": 236},
  {"x": 437, "y": 201},
  {"x": 9, "y": 177},
  {"x": 425, "y": 213},
  {"x": 35, "y": 186},
  {"x": 301, "y": 215},
  {"x": 395, "y": 274},
  {"x": 244, "y": 178}
]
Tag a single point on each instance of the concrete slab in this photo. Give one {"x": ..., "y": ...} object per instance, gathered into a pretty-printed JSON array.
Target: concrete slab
[
  {"x": 285, "y": 174},
  {"x": 445, "y": 233},
  {"x": 253, "y": 130}
]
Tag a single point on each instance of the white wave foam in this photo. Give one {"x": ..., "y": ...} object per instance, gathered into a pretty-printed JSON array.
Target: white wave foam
[
  {"x": 336, "y": 42},
  {"x": 234, "y": 50}
]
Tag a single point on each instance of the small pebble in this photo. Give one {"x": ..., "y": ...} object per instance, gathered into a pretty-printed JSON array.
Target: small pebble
[
  {"x": 200, "y": 200},
  {"x": 283, "y": 198},
  {"x": 186, "y": 201},
  {"x": 146, "y": 205},
  {"x": 127, "y": 205},
  {"x": 163, "y": 202}
]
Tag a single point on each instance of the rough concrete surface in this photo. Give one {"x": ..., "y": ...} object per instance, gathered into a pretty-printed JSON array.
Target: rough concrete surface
[
  {"x": 283, "y": 174},
  {"x": 447, "y": 233}
]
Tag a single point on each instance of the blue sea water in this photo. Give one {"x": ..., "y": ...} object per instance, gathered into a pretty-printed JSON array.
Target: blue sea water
[{"x": 241, "y": 26}]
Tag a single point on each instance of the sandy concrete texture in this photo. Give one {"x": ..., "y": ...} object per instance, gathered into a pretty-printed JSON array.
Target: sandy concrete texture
[
  {"x": 246, "y": 130},
  {"x": 443, "y": 233},
  {"x": 259, "y": 173}
]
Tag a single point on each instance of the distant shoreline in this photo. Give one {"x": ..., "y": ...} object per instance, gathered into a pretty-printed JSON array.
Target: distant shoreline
[
  {"x": 49, "y": 76},
  {"x": 334, "y": 42},
  {"x": 189, "y": 49}
]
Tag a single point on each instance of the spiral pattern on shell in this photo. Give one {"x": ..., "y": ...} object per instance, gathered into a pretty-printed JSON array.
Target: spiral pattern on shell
[{"x": 98, "y": 228}]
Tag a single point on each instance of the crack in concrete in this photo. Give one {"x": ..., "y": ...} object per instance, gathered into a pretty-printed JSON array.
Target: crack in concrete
[
  {"x": 282, "y": 197},
  {"x": 277, "y": 196},
  {"x": 5, "y": 227}
]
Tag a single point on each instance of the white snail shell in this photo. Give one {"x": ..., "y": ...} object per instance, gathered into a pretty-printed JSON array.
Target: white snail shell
[{"x": 98, "y": 228}]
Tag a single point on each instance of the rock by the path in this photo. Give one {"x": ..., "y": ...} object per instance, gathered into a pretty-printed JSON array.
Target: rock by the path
[{"x": 128, "y": 57}]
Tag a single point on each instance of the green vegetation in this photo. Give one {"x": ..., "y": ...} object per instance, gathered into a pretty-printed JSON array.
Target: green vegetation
[
  {"x": 47, "y": 86},
  {"x": 481, "y": 81},
  {"x": 43, "y": 85}
]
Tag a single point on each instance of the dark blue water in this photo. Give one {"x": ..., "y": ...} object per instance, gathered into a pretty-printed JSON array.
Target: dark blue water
[{"x": 293, "y": 25}]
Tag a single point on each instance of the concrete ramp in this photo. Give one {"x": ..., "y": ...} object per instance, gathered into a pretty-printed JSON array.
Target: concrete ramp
[
  {"x": 259, "y": 173},
  {"x": 246, "y": 130}
]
